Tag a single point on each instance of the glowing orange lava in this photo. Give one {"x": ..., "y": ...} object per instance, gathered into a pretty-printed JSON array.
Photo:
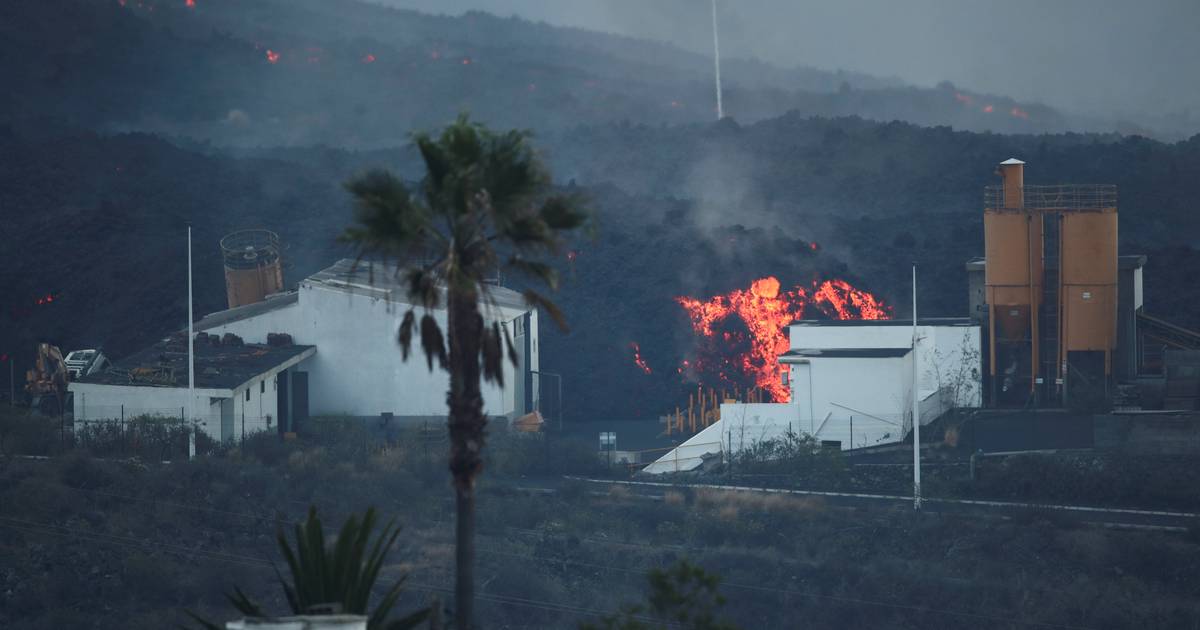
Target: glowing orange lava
[
  {"x": 368, "y": 58},
  {"x": 637, "y": 358},
  {"x": 191, "y": 4},
  {"x": 988, "y": 109},
  {"x": 1017, "y": 112},
  {"x": 751, "y": 351},
  {"x": 272, "y": 56}
]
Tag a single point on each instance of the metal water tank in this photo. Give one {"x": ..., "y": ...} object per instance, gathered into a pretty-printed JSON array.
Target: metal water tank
[{"x": 253, "y": 269}]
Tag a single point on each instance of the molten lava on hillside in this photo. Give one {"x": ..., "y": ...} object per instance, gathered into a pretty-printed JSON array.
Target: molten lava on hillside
[
  {"x": 743, "y": 332},
  {"x": 637, "y": 358}
]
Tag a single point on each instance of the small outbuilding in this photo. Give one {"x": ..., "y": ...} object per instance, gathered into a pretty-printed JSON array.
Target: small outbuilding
[{"x": 239, "y": 388}]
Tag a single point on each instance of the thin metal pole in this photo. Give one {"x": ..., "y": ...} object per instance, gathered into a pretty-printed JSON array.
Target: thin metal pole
[
  {"x": 916, "y": 412},
  {"x": 191, "y": 425},
  {"x": 717, "y": 61}
]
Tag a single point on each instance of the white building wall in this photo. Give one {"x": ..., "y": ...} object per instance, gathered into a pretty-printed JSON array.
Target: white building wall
[
  {"x": 95, "y": 402},
  {"x": 829, "y": 391},
  {"x": 857, "y": 401},
  {"x": 358, "y": 369},
  {"x": 948, "y": 355},
  {"x": 952, "y": 364},
  {"x": 256, "y": 406}
]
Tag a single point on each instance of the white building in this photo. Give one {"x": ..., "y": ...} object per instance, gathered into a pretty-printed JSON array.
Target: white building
[
  {"x": 351, "y": 314},
  {"x": 239, "y": 389},
  {"x": 851, "y": 384},
  {"x": 348, "y": 315}
]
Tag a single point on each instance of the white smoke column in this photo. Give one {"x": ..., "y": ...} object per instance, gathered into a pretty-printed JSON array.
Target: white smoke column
[{"x": 717, "y": 60}]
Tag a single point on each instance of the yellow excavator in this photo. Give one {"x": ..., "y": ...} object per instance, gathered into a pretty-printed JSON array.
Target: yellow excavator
[{"x": 46, "y": 383}]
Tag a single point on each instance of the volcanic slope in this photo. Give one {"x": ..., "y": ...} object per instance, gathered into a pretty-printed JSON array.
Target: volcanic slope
[
  {"x": 354, "y": 74},
  {"x": 97, "y": 223}
]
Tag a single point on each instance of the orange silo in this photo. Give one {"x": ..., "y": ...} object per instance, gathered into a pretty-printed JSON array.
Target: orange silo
[
  {"x": 1088, "y": 292},
  {"x": 1051, "y": 288},
  {"x": 253, "y": 269},
  {"x": 1012, "y": 284}
]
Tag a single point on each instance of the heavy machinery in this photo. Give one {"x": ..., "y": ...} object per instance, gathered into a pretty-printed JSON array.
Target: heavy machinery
[
  {"x": 85, "y": 363},
  {"x": 46, "y": 383}
]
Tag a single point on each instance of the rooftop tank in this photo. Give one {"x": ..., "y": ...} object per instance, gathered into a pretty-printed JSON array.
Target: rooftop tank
[{"x": 253, "y": 269}]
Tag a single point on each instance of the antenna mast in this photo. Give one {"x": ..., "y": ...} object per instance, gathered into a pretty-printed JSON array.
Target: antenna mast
[{"x": 717, "y": 60}]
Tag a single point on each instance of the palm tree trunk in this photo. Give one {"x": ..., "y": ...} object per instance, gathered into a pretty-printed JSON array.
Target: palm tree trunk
[{"x": 466, "y": 441}]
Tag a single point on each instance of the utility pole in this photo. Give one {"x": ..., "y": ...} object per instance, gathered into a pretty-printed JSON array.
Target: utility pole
[
  {"x": 191, "y": 420},
  {"x": 717, "y": 61},
  {"x": 916, "y": 412}
]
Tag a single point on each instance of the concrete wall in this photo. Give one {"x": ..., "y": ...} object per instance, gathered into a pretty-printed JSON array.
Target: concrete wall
[
  {"x": 251, "y": 407},
  {"x": 96, "y": 402},
  {"x": 1148, "y": 434},
  {"x": 358, "y": 369}
]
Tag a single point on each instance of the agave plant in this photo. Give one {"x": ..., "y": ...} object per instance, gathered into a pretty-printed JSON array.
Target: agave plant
[{"x": 334, "y": 578}]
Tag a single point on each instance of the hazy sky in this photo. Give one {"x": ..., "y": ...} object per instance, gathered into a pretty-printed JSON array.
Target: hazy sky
[{"x": 1106, "y": 57}]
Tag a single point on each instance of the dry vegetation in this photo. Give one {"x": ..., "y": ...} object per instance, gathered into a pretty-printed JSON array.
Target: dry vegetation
[{"x": 91, "y": 543}]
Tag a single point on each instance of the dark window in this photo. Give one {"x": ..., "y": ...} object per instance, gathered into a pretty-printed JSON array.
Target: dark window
[
  {"x": 262, "y": 387},
  {"x": 247, "y": 393}
]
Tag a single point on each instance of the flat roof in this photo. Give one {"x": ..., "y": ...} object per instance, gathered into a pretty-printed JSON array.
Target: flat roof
[
  {"x": 852, "y": 323},
  {"x": 217, "y": 367},
  {"x": 847, "y": 353},
  {"x": 245, "y": 311},
  {"x": 367, "y": 276}
]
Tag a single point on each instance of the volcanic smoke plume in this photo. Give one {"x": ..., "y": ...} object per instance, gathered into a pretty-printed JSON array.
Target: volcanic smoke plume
[{"x": 743, "y": 332}]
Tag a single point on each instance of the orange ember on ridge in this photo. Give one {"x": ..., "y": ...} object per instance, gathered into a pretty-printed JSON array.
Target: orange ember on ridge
[
  {"x": 1017, "y": 112},
  {"x": 191, "y": 4},
  {"x": 988, "y": 109},
  {"x": 766, "y": 310},
  {"x": 272, "y": 56},
  {"x": 637, "y": 358},
  {"x": 368, "y": 58}
]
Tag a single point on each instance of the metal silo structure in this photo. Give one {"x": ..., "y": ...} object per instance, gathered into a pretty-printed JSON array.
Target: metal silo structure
[
  {"x": 1050, "y": 286},
  {"x": 1088, "y": 289},
  {"x": 1012, "y": 285},
  {"x": 253, "y": 269}
]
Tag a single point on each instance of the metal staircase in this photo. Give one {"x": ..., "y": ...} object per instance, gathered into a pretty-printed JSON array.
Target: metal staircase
[{"x": 1048, "y": 322}]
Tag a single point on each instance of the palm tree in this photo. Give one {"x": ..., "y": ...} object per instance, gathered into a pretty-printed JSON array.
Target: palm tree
[{"x": 484, "y": 204}]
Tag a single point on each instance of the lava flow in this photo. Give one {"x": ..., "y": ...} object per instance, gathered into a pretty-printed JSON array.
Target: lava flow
[
  {"x": 637, "y": 358},
  {"x": 744, "y": 331}
]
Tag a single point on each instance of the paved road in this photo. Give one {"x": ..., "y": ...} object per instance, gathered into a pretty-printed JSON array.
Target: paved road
[{"x": 1109, "y": 517}]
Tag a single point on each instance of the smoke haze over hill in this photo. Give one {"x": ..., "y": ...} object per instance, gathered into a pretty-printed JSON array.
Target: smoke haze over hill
[{"x": 1106, "y": 59}]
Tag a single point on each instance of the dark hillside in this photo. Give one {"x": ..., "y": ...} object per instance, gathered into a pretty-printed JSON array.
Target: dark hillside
[
  {"x": 98, "y": 223},
  {"x": 353, "y": 74}
]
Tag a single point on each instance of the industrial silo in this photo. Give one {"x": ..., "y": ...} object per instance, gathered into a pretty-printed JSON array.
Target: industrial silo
[
  {"x": 1012, "y": 285},
  {"x": 253, "y": 269},
  {"x": 1088, "y": 294}
]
